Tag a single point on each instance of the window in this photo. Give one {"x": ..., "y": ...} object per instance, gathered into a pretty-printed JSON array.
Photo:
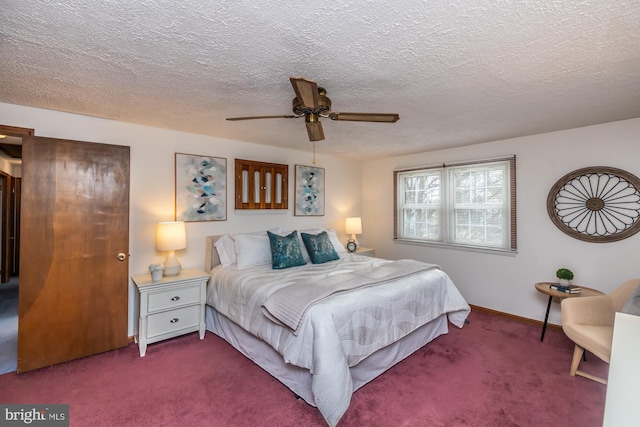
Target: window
[{"x": 469, "y": 204}]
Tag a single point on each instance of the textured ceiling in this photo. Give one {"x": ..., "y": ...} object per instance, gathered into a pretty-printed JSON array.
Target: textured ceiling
[{"x": 458, "y": 72}]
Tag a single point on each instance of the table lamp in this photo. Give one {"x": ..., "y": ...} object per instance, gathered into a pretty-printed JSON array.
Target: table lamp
[
  {"x": 171, "y": 236},
  {"x": 353, "y": 226}
]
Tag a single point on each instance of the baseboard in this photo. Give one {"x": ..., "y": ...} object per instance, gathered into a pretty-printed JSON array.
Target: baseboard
[{"x": 513, "y": 316}]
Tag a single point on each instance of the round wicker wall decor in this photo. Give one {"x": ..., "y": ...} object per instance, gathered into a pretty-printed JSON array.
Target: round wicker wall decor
[{"x": 596, "y": 204}]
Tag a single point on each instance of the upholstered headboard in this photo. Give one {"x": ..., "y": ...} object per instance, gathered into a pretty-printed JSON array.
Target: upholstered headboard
[{"x": 211, "y": 254}]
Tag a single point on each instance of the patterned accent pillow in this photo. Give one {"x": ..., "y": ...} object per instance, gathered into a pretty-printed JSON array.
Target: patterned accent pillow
[
  {"x": 285, "y": 251},
  {"x": 320, "y": 248}
]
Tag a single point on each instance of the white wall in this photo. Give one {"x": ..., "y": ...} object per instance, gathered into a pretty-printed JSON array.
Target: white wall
[
  {"x": 506, "y": 283},
  {"x": 498, "y": 282},
  {"x": 152, "y": 181}
]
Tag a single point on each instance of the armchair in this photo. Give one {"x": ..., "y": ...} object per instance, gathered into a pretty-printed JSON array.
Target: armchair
[{"x": 588, "y": 322}]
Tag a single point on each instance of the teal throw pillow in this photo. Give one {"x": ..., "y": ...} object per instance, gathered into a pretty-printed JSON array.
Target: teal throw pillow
[
  {"x": 320, "y": 248},
  {"x": 285, "y": 251}
]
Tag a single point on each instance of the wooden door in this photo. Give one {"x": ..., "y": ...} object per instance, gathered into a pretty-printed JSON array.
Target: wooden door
[
  {"x": 10, "y": 240},
  {"x": 73, "y": 298}
]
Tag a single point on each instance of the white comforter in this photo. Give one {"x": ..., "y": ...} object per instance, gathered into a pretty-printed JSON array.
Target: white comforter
[{"x": 340, "y": 331}]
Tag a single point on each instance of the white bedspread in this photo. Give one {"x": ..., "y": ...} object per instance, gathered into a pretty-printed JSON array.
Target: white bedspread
[
  {"x": 341, "y": 330},
  {"x": 288, "y": 306}
]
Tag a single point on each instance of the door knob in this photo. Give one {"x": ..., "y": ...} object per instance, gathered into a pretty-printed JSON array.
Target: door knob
[{"x": 121, "y": 256}]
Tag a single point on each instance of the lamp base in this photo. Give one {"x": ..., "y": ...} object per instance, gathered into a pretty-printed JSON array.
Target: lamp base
[{"x": 171, "y": 265}]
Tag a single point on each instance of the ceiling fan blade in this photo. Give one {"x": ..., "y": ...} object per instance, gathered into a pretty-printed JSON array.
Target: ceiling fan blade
[
  {"x": 306, "y": 91},
  {"x": 365, "y": 117},
  {"x": 315, "y": 131},
  {"x": 263, "y": 117}
]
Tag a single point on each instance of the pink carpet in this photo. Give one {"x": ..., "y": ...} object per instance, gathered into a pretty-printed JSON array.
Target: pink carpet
[{"x": 493, "y": 372}]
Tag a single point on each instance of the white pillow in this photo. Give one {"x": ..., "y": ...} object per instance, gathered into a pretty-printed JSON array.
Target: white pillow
[
  {"x": 226, "y": 248},
  {"x": 337, "y": 244},
  {"x": 253, "y": 248}
]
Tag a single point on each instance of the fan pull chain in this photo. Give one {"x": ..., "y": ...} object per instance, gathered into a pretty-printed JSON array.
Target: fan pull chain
[{"x": 314, "y": 152}]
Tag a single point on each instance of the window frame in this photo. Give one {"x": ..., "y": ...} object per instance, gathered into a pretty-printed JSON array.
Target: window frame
[{"x": 447, "y": 206}]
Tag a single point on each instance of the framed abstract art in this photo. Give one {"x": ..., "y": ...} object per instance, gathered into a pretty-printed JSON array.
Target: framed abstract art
[
  {"x": 309, "y": 194},
  {"x": 201, "y": 188}
]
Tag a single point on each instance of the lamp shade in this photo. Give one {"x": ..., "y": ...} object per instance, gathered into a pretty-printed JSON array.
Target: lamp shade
[
  {"x": 171, "y": 236},
  {"x": 353, "y": 225}
]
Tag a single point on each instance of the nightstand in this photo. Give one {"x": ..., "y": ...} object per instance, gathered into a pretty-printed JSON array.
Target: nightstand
[
  {"x": 171, "y": 307},
  {"x": 365, "y": 251}
]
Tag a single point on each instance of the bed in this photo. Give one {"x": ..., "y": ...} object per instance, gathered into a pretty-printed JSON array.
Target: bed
[{"x": 326, "y": 348}]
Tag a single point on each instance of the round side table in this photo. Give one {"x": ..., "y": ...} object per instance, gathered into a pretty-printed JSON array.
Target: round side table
[{"x": 545, "y": 289}]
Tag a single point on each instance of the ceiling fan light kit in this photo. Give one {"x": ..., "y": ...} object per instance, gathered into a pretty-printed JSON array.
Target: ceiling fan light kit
[{"x": 312, "y": 103}]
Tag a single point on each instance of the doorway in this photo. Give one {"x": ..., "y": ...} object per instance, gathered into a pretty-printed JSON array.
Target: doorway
[
  {"x": 73, "y": 292},
  {"x": 10, "y": 191}
]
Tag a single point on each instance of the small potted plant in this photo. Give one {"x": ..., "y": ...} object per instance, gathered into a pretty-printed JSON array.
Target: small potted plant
[{"x": 565, "y": 276}]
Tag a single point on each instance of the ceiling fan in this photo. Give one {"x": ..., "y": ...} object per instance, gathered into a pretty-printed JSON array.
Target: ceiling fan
[{"x": 312, "y": 103}]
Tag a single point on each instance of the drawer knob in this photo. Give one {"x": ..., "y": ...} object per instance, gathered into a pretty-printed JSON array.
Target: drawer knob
[
  {"x": 176, "y": 298},
  {"x": 174, "y": 320}
]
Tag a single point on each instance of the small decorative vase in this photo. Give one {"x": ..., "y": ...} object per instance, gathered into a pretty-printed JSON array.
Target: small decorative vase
[
  {"x": 564, "y": 282},
  {"x": 156, "y": 271}
]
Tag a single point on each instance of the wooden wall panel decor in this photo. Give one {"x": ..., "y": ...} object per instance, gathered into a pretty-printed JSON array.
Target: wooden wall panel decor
[{"x": 261, "y": 185}]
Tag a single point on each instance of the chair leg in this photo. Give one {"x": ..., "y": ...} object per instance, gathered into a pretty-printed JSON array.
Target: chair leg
[
  {"x": 577, "y": 356},
  {"x": 578, "y": 353}
]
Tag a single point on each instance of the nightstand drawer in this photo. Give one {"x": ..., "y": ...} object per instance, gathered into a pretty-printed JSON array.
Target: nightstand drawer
[
  {"x": 176, "y": 297},
  {"x": 173, "y": 320}
]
